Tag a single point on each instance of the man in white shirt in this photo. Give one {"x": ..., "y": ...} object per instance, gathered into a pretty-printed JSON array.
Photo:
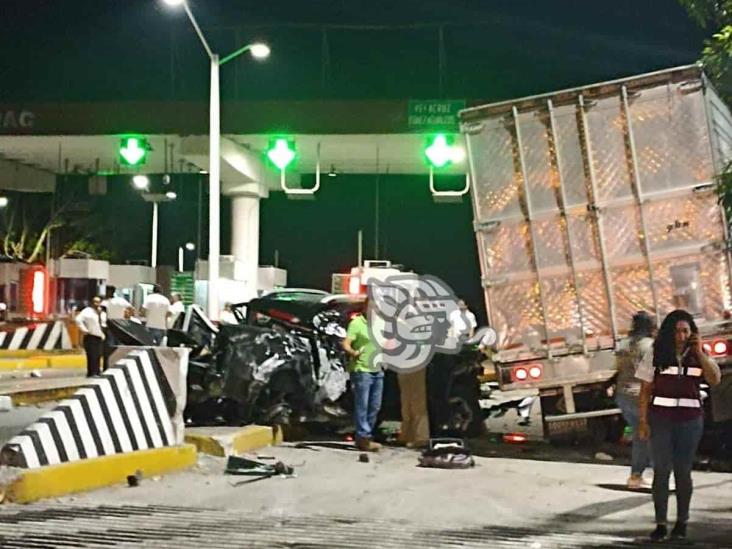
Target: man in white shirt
[
  {"x": 177, "y": 308},
  {"x": 156, "y": 310},
  {"x": 115, "y": 308},
  {"x": 89, "y": 321},
  {"x": 462, "y": 322}
]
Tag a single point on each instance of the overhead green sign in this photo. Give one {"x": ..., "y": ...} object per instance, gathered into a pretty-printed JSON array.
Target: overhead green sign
[
  {"x": 183, "y": 283},
  {"x": 133, "y": 151},
  {"x": 435, "y": 114}
]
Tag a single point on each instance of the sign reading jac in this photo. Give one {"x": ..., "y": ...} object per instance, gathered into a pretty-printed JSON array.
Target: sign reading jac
[
  {"x": 13, "y": 120},
  {"x": 438, "y": 114}
]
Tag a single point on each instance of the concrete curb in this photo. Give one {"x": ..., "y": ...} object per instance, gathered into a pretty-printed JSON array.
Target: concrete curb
[
  {"x": 39, "y": 396},
  {"x": 30, "y": 363},
  {"x": 42, "y": 362},
  {"x": 26, "y": 353},
  {"x": 89, "y": 474},
  {"x": 227, "y": 441}
]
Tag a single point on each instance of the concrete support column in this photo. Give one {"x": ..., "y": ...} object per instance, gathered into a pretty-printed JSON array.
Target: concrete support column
[{"x": 245, "y": 238}]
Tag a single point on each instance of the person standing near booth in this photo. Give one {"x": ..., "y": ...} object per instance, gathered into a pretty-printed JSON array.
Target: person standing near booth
[{"x": 89, "y": 321}]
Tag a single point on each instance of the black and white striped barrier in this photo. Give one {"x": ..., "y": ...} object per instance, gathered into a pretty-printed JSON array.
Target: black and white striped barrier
[
  {"x": 129, "y": 407},
  {"x": 48, "y": 336}
]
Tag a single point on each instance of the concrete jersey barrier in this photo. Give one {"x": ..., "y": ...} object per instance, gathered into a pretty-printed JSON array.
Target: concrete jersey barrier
[
  {"x": 46, "y": 336},
  {"x": 129, "y": 407}
]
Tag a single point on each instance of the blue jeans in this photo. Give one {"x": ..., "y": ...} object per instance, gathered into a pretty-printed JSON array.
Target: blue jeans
[
  {"x": 367, "y": 390},
  {"x": 673, "y": 444},
  {"x": 158, "y": 334},
  {"x": 640, "y": 450}
]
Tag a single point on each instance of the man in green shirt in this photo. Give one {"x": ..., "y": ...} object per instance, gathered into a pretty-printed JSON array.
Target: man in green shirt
[{"x": 367, "y": 381}]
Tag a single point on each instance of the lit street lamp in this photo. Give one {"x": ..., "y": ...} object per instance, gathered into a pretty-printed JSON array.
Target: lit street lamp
[
  {"x": 142, "y": 183},
  {"x": 259, "y": 51},
  {"x": 190, "y": 246}
]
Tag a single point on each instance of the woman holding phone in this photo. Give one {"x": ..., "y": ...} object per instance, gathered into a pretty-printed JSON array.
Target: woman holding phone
[{"x": 671, "y": 413}]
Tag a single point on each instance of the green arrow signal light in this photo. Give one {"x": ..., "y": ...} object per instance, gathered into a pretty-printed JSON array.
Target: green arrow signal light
[
  {"x": 282, "y": 153},
  {"x": 440, "y": 153},
  {"x": 133, "y": 151}
]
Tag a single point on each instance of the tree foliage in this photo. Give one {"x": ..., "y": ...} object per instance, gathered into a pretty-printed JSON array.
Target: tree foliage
[
  {"x": 28, "y": 220},
  {"x": 717, "y": 53},
  {"x": 717, "y": 60}
]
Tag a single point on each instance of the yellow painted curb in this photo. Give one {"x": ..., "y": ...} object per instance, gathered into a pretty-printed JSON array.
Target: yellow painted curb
[
  {"x": 38, "y": 353},
  {"x": 40, "y": 362},
  {"x": 224, "y": 442},
  {"x": 23, "y": 364},
  {"x": 67, "y": 361},
  {"x": 89, "y": 474}
]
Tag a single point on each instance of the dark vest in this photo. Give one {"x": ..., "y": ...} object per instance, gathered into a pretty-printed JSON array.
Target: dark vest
[{"x": 676, "y": 394}]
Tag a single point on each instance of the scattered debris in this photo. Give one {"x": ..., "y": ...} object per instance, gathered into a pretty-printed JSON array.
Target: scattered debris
[
  {"x": 602, "y": 456},
  {"x": 363, "y": 458},
  {"x": 134, "y": 480},
  {"x": 36, "y": 373},
  {"x": 6, "y": 403},
  {"x": 447, "y": 453},
  {"x": 248, "y": 467}
]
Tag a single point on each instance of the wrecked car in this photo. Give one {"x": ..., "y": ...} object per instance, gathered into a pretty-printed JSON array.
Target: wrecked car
[{"x": 284, "y": 364}]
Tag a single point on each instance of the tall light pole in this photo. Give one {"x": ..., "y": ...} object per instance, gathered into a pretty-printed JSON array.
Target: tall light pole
[
  {"x": 190, "y": 246},
  {"x": 259, "y": 51},
  {"x": 142, "y": 183}
]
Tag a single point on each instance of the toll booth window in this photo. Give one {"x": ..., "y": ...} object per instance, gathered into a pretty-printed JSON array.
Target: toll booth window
[{"x": 686, "y": 287}]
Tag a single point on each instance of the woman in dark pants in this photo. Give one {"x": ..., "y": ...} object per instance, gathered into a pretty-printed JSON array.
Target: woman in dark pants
[{"x": 671, "y": 413}]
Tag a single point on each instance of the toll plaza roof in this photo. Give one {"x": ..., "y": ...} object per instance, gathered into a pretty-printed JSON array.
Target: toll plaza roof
[{"x": 348, "y": 136}]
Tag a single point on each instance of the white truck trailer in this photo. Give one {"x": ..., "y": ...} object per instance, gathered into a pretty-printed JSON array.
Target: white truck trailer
[{"x": 591, "y": 204}]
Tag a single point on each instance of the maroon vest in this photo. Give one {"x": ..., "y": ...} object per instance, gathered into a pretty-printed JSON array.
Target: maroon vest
[{"x": 676, "y": 393}]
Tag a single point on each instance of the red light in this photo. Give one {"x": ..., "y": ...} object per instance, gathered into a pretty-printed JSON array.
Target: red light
[
  {"x": 720, "y": 348},
  {"x": 38, "y": 294},
  {"x": 521, "y": 374},
  {"x": 282, "y": 315},
  {"x": 535, "y": 371},
  {"x": 515, "y": 438}
]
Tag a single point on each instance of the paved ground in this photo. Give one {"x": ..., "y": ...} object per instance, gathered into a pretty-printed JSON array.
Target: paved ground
[
  {"x": 52, "y": 378},
  {"x": 335, "y": 501},
  {"x": 549, "y": 498},
  {"x": 17, "y": 419}
]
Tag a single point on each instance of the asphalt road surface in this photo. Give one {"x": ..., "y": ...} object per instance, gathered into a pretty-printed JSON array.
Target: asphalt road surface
[{"x": 333, "y": 500}]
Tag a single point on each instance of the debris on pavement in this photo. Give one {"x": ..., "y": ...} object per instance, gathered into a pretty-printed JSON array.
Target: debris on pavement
[
  {"x": 236, "y": 465},
  {"x": 6, "y": 403},
  {"x": 602, "y": 456},
  {"x": 447, "y": 453},
  {"x": 134, "y": 480},
  {"x": 363, "y": 458}
]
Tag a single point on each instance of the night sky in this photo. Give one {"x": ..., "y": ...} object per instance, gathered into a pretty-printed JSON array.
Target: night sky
[{"x": 101, "y": 50}]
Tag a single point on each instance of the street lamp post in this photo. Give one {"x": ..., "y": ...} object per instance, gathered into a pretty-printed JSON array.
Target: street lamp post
[
  {"x": 142, "y": 183},
  {"x": 190, "y": 246},
  {"x": 259, "y": 51}
]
